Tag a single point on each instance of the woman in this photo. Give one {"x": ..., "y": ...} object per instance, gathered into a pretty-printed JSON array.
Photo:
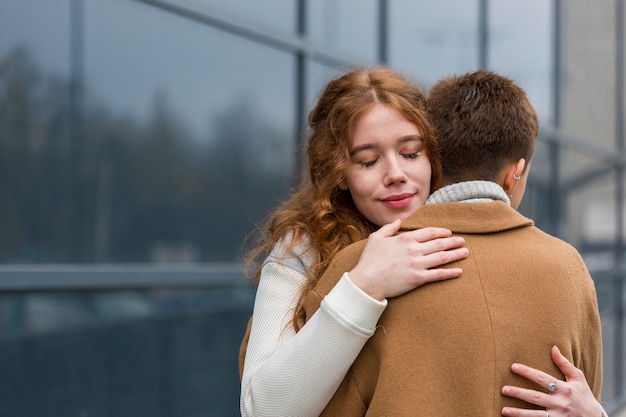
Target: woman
[
  {"x": 293, "y": 369},
  {"x": 282, "y": 367}
]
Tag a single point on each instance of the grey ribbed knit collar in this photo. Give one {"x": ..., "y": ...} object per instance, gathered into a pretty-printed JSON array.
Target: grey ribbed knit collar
[{"x": 469, "y": 191}]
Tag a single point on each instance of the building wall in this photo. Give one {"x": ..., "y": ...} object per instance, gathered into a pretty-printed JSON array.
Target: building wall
[{"x": 141, "y": 140}]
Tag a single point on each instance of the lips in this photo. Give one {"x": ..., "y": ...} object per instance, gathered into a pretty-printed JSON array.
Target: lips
[{"x": 398, "y": 200}]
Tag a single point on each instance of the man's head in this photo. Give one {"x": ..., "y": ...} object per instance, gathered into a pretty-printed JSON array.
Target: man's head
[{"x": 484, "y": 124}]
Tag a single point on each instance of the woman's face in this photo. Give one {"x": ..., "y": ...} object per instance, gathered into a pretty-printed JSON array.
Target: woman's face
[{"x": 388, "y": 174}]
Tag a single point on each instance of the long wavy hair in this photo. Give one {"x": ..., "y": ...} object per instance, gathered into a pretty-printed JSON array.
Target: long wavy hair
[{"x": 318, "y": 210}]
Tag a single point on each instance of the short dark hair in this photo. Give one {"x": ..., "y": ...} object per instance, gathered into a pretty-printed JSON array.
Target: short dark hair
[{"x": 482, "y": 121}]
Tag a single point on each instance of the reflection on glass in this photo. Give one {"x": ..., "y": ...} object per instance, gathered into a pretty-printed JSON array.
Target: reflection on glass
[
  {"x": 431, "y": 39},
  {"x": 589, "y": 71},
  {"x": 530, "y": 63},
  {"x": 157, "y": 352},
  {"x": 275, "y": 14},
  {"x": 318, "y": 76},
  {"x": 36, "y": 314},
  {"x": 591, "y": 211},
  {"x": 177, "y": 149},
  {"x": 346, "y": 27},
  {"x": 42, "y": 35}
]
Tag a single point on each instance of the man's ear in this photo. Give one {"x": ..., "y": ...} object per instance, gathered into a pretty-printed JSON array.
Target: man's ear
[
  {"x": 511, "y": 174},
  {"x": 519, "y": 168}
]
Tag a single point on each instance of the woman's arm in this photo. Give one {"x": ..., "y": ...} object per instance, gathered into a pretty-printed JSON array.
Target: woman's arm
[
  {"x": 572, "y": 397},
  {"x": 292, "y": 374},
  {"x": 289, "y": 374}
]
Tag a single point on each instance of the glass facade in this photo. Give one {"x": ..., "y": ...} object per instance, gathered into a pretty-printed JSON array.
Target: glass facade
[
  {"x": 141, "y": 140},
  {"x": 347, "y": 27},
  {"x": 153, "y": 352},
  {"x": 133, "y": 145},
  {"x": 431, "y": 39}
]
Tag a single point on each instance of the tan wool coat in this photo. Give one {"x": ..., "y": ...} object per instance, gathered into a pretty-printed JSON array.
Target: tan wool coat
[{"x": 445, "y": 349}]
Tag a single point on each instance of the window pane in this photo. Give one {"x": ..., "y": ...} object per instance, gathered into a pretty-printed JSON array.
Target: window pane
[
  {"x": 432, "y": 39},
  {"x": 520, "y": 53},
  {"x": 347, "y": 27},
  {"x": 275, "y": 14},
  {"x": 156, "y": 352},
  {"x": 319, "y": 75},
  {"x": 34, "y": 102},
  {"x": 169, "y": 152},
  {"x": 47, "y": 46},
  {"x": 588, "y": 85}
]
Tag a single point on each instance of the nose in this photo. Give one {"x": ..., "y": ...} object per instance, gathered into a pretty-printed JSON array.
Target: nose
[{"x": 395, "y": 174}]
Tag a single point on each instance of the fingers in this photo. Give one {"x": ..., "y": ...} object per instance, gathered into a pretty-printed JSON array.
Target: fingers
[
  {"x": 433, "y": 247},
  {"x": 437, "y": 244},
  {"x": 572, "y": 397},
  {"x": 428, "y": 233},
  {"x": 530, "y": 396},
  {"x": 430, "y": 264},
  {"x": 389, "y": 229},
  {"x": 442, "y": 244},
  {"x": 535, "y": 375},
  {"x": 436, "y": 238},
  {"x": 568, "y": 369},
  {"x": 433, "y": 275},
  {"x": 520, "y": 412},
  {"x": 393, "y": 264},
  {"x": 543, "y": 379},
  {"x": 529, "y": 373},
  {"x": 429, "y": 240}
]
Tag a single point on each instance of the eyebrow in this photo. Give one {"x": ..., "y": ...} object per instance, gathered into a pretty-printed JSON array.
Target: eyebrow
[{"x": 403, "y": 140}]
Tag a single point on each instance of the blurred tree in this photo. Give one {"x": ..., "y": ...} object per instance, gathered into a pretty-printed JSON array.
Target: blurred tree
[
  {"x": 33, "y": 153},
  {"x": 87, "y": 185}
]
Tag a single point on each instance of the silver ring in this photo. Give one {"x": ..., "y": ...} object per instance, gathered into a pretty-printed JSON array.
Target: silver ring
[
  {"x": 547, "y": 414},
  {"x": 552, "y": 387}
]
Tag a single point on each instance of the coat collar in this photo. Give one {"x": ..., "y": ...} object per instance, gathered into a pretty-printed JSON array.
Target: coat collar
[{"x": 465, "y": 217}]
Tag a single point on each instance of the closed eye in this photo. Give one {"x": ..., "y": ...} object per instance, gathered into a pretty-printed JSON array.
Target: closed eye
[{"x": 368, "y": 164}]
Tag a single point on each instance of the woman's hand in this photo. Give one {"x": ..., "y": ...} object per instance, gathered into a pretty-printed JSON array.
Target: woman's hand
[
  {"x": 571, "y": 398},
  {"x": 392, "y": 265}
]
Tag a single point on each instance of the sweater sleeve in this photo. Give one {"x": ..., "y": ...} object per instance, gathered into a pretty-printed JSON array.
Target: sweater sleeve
[{"x": 295, "y": 374}]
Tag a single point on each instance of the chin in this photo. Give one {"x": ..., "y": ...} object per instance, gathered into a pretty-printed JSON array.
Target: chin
[{"x": 404, "y": 216}]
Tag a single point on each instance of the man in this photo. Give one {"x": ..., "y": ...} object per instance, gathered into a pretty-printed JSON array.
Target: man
[{"x": 446, "y": 349}]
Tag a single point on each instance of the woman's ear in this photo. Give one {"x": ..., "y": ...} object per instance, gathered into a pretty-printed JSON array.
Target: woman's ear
[{"x": 343, "y": 185}]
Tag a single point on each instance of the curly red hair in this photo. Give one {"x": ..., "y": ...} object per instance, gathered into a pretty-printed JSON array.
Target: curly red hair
[{"x": 319, "y": 210}]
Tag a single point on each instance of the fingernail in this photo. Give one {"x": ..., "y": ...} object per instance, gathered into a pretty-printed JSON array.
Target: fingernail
[{"x": 515, "y": 367}]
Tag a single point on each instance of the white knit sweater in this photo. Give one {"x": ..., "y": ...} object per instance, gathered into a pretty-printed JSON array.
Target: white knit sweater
[{"x": 295, "y": 374}]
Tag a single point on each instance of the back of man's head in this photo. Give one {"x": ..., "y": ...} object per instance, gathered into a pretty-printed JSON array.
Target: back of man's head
[{"x": 483, "y": 121}]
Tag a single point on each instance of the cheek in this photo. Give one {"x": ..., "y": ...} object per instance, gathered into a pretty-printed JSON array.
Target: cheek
[
  {"x": 357, "y": 190},
  {"x": 422, "y": 173},
  {"x": 360, "y": 184}
]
